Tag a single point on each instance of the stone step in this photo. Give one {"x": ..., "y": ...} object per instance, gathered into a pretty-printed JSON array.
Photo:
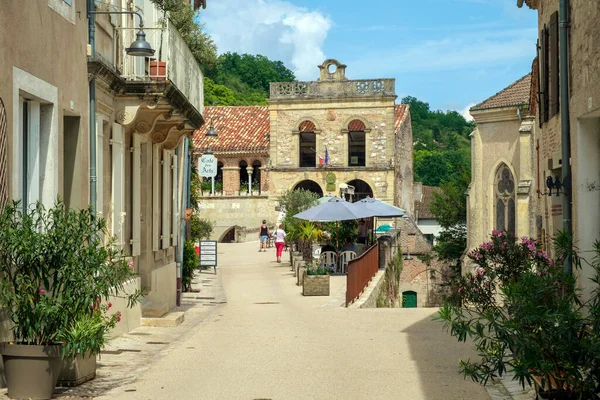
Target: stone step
[
  {"x": 151, "y": 310},
  {"x": 170, "y": 320}
]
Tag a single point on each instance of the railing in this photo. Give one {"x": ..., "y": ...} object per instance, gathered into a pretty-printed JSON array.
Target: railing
[
  {"x": 360, "y": 272},
  {"x": 180, "y": 66},
  {"x": 350, "y": 88}
]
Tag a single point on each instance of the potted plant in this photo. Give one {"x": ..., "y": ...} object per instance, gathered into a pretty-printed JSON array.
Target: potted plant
[
  {"x": 206, "y": 186},
  {"x": 524, "y": 315},
  {"x": 316, "y": 280},
  {"x": 308, "y": 233},
  {"x": 219, "y": 188},
  {"x": 158, "y": 68},
  {"x": 57, "y": 269},
  {"x": 244, "y": 189}
]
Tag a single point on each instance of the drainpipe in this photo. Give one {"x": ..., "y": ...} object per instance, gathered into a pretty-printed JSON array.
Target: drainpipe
[
  {"x": 92, "y": 94},
  {"x": 565, "y": 126},
  {"x": 183, "y": 205}
]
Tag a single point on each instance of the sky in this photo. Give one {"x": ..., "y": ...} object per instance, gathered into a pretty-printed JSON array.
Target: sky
[{"x": 451, "y": 54}]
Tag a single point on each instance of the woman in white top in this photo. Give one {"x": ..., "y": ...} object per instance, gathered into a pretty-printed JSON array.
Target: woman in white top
[{"x": 279, "y": 235}]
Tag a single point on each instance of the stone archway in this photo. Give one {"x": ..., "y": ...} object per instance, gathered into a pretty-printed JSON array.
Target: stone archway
[
  {"x": 309, "y": 185},
  {"x": 361, "y": 190}
]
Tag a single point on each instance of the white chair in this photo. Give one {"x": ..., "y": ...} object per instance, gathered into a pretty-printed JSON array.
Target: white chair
[
  {"x": 317, "y": 252},
  {"x": 345, "y": 257},
  {"x": 328, "y": 258}
]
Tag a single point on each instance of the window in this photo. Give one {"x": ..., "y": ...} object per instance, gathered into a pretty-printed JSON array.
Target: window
[
  {"x": 356, "y": 143},
  {"x": 243, "y": 175},
  {"x": 308, "y": 144},
  {"x": 504, "y": 199},
  {"x": 256, "y": 176},
  {"x": 548, "y": 74}
]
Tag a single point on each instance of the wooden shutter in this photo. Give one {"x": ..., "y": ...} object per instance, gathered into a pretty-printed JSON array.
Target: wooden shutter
[
  {"x": 166, "y": 200},
  {"x": 118, "y": 183},
  {"x": 99, "y": 164},
  {"x": 136, "y": 199},
  {"x": 175, "y": 209},
  {"x": 155, "y": 198},
  {"x": 543, "y": 71},
  {"x": 554, "y": 65}
]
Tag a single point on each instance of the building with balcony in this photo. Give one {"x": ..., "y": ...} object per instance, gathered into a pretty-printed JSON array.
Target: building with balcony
[
  {"x": 145, "y": 108},
  {"x": 326, "y": 136}
]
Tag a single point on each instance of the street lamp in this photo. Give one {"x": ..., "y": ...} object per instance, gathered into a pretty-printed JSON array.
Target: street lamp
[
  {"x": 140, "y": 48},
  {"x": 211, "y": 130}
]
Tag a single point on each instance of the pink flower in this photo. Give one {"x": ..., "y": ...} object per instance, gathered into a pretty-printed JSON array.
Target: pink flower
[
  {"x": 109, "y": 305},
  {"x": 130, "y": 264},
  {"x": 459, "y": 289},
  {"x": 480, "y": 271},
  {"x": 42, "y": 291},
  {"x": 118, "y": 314}
]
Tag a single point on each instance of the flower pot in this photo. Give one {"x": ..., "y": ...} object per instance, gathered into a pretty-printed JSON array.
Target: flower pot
[
  {"x": 158, "y": 70},
  {"x": 31, "y": 370},
  {"x": 315, "y": 285},
  {"x": 76, "y": 371}
]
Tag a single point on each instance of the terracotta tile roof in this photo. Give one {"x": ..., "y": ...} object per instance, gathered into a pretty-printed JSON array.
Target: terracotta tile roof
[
  {"x": 515, "y": 94},
  {"x": 240, "y": 129},
  {"x": 400, "y": 114},
  {"x": 422, "y": 207}
]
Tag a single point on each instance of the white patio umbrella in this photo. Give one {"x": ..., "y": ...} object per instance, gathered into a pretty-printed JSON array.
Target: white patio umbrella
[
  {"x": 378, "y": 208},
  {"x": 335, "y": 209}
]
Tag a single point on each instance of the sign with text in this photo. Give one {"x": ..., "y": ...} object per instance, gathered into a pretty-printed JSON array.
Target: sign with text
[
  {"x": 208, "y": 253},
  {"x": 207, "y": 166}
]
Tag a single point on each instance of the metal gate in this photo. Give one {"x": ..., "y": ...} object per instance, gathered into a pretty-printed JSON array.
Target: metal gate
[{"x": 3, "y": 156}]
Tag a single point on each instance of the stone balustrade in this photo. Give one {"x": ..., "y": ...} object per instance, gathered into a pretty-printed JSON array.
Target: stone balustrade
[{"x": 346, "y": 88}]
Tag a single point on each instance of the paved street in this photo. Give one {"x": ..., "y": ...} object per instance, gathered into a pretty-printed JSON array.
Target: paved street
[{"x": 270, "y": 342}]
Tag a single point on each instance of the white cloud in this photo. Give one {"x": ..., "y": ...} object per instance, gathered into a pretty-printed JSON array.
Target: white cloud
[
  {"x": 465, "y": 112},
  {"x": 274, "y": 28},
  {"x": 460, "y": 51}
]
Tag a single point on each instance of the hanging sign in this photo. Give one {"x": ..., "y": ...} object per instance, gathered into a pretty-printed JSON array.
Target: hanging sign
[{"x": 208, "y": 166}]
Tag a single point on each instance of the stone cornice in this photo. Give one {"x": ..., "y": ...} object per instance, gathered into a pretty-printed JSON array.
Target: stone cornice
[
  {"x": 105, "y": 75},
  {"x": 331, "y": 169},
  {"x": 495, "y": 114},
  {"x": 533, "y": 4},
  {"x": 172, "y": 95}
]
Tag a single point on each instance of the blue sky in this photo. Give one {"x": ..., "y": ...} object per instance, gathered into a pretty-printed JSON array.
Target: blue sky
[{"x": 449, "y": 53}]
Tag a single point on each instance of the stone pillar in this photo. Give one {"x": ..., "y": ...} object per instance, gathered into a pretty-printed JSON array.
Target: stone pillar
[
  {"x": 231, "y": 180},
  {"x": 475, "y": 226},
  {"x": 264, "y": 179},
  {"x": 525, "y": 210},
  {"x": 250, "y": 170}
]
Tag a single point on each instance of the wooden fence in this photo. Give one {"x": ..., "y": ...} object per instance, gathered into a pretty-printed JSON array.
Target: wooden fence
[{"x": 360, "y": 272}]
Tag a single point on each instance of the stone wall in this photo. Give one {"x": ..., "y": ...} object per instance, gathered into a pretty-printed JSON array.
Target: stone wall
[
  {"x": 244, "y": 212},
  {"x": 368, "y": 299}
]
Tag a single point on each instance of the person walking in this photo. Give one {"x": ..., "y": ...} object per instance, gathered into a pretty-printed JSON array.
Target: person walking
[
  {"x": 263, "y": 236},
  {"x": 362, "y": 232},
  {"x": 279, "y": 235}
]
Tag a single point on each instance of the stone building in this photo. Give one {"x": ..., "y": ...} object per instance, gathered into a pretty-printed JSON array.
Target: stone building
[
  {"x": 583, "y": 69},
  {"x": 503, "y": 190},
  {"x": 59, "y": 88},
  {"x": 325, "y": 136},
  {"x": 145, "y": 109}
]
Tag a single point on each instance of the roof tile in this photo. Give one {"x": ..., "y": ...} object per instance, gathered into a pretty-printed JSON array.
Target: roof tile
[
  {"x": 240, "y": 129},
  {"x": 423, "y": 206},
  {"x": 517, "y": 93}
]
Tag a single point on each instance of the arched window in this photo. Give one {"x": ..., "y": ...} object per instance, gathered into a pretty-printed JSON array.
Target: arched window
[
  {"x": 243, "y": 175},
  {"x": 310, "y": 186},
  {"x": 356, "y": 143},
  {"x": 219, "y": 177},
  {"x": 308, "y": 144},
  {"x": 256, "y": 176},
  {"x": 361, "y": 190},
  {"x": 504, "y": 199}
]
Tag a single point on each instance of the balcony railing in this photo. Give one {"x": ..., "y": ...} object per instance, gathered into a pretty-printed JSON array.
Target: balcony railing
[
  {"x": 350, "y": 88},
  {"x": 180, "y": 68}
]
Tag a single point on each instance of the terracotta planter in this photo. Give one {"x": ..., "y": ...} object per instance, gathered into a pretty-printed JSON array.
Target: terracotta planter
[
  {"x": 315, "y": 285},
  {"x": 158, "y": 70},
  {"x": 31, "y": 371},
  {"x": 76, "y": 371}
]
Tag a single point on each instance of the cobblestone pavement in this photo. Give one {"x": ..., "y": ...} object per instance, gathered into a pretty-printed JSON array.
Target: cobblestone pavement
[
  {"x": 508, "y": 389},
  {"x": 131, "y": 355}
]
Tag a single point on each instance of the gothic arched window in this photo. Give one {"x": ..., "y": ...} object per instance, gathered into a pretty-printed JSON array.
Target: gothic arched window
[{"x": 504, "y": 199}]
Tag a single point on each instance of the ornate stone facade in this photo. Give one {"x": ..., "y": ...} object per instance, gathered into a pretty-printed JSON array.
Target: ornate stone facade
[{"x": 322, "y": 135}]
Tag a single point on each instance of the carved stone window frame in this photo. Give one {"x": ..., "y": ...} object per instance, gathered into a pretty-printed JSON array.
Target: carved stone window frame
[{"x": 505, "y": 190}]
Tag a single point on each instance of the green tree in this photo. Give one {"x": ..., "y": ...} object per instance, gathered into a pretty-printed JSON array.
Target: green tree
[
  {"x": 247, "y": 77},
  {"x": 184, "y": 19}
]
